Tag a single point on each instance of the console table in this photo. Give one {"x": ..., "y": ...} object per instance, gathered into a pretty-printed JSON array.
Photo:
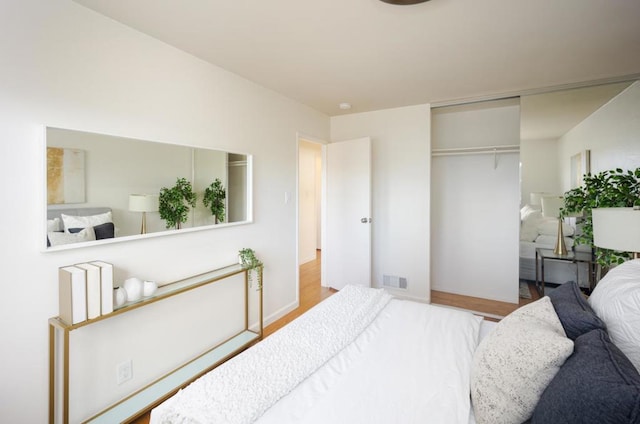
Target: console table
[
  {"x": 137, "y": 403},
  {"x": 574, "y": 257}
]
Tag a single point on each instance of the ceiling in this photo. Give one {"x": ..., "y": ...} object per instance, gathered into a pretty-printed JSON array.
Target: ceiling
[
  {"x": 552, "y": 115},
  {"x": 374, "y": 55}
]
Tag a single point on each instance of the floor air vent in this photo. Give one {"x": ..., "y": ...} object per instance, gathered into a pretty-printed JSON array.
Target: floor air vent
[{"x": 394, "y": 281}]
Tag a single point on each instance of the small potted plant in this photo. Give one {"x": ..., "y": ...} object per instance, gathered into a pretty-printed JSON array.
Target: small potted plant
[
  {"x": 213, "y": 199},
  {"x": 174, "y": 203},
  {"x": 249, "y": 260}
]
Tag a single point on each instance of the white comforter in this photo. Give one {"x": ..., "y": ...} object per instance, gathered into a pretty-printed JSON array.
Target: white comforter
[{"x": 358, "y": 357}]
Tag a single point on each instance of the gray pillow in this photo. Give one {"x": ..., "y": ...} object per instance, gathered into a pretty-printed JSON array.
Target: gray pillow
[
  {"x": 103, "y": 231},
  {"x": 596, "y": 385},
  {"x": 575, "y": 314}
]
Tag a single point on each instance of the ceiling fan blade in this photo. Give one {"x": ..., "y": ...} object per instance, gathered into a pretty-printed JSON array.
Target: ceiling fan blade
[{"x": 404, "y": 2}]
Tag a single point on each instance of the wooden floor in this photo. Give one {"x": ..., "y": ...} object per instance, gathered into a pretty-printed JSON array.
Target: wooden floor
[
  {"x": 311, "y": 293},
  {"x": 477, "y": 304}
]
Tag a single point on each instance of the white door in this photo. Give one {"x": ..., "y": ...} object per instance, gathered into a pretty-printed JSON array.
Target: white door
[{"x": 346, "y": 256}]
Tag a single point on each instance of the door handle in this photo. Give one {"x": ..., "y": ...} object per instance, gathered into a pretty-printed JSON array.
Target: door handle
[{"x": 365, "y": 220}]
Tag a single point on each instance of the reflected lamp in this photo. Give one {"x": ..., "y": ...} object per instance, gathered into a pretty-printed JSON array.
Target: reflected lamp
[
  {"x": 535, "y": 198},
  {"x": 617, "y": 229},
  {"x": 143, "y": 203}
]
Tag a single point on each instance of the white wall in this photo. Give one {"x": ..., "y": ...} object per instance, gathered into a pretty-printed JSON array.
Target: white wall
[
  {"x": 66, "y": 66},
  {"x": 612, "y": 133},
  {"x": 475, "y": 220},
  {"x": 400, "y": 167},
  {"x": 539, "y": 165}
]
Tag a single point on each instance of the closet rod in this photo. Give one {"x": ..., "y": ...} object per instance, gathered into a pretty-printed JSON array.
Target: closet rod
[{"x": 484, "y": 150}]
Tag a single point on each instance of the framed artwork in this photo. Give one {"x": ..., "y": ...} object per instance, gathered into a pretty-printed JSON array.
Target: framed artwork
[
  {"x": 580, "y": 165},
  {"x": 65, "y": 176}
]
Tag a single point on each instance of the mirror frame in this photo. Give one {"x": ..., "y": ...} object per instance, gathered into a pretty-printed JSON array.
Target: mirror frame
[{"x": 44, "y": 203}]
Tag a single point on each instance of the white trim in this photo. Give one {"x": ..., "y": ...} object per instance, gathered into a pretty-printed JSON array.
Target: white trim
[
  {"x": 539, "y": 90},
  {"x": 483, "y": 150},
  {"x": 484, "y": 314}
]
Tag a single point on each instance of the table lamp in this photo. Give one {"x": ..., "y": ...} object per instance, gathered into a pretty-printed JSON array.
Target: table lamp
[
  {"x": 143, "y": 203},
  {"x": 617, "y": 229},
  {"x": 535, "y": 198}
]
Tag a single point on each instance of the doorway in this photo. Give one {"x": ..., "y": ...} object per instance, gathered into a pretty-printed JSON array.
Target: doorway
[
  {"x": 309, "y": 217},
  {"x": 309, "y": 200}
]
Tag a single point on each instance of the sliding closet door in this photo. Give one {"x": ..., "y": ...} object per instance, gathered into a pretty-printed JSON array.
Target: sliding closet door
[{"x": 475, "y": 192}]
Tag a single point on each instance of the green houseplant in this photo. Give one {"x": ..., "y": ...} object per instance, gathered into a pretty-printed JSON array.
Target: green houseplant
[
  {"x": 608, "y": 189},
  {"x": 213, "y": 199},
  {"x": 249, "y": 260},
  {"x": 174, "y": 203}
]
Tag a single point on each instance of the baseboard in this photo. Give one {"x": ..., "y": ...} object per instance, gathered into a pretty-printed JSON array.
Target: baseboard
[
  {"x": 307, "y": 259},
  {"x": 280, "y": 313},
  {"x": 399, "y": 295},
  {"x": 483, "y": 314}
]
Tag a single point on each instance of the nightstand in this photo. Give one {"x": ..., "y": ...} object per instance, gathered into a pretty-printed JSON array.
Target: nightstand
[{"x": 574, "y": 257}]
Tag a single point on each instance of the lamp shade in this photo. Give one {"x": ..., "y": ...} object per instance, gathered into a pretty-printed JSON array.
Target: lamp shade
[
  {"x": 535, "y": 198},
  {"x": 616, "y": 229},
  {"x": 551, "y": 206},
  {"x": 143, "y": 202}
]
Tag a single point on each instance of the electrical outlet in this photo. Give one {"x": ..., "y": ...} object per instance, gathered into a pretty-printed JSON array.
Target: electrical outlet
[{"x": 124, "y": 371}]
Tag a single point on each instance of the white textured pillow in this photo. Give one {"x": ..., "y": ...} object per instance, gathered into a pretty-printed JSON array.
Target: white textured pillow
[
  {"x": 515, "y": 363},
  {"x": 53, "y": 224},
  {"x": 57, "y": 238},
  {"x": 72, "y": 221},
  {"x": 616, "y": 300}
]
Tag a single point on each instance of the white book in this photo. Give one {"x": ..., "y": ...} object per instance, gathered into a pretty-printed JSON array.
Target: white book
[
  {"x": 93, "y": 289},
  {"x": 72, "y": 294},
  {"x": 106, "y": 286}
]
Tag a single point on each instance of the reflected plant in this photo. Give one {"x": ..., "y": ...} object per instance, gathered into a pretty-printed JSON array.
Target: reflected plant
[
  {"x": 174, "y": 203},
  {"x": 214, "y": 196},
  {"x": 608, "y": 189}
]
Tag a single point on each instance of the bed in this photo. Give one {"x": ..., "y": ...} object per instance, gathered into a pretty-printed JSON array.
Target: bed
[
  {"x": 75, "y": 225},
  {"x": 362, "y": 356}
]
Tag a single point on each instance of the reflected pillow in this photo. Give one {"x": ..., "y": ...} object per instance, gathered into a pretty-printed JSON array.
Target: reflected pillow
[
  {"x": 550, "y": 241},
  {"x": 73, "y": 221},
  {"x": 60, "y": 238},
  {"x": 527, "y": 211},
  {"x": 529, "y": 227},
  {"x": 103, "y": 231},
  {"x": 549, "y": 227},
  {"x": 53, "y": 224}
]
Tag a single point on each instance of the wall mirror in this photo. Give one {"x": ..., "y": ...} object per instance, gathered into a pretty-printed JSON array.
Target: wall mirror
[
  {"x": 104, "y": 188},
  {"x": 563, "y": 135},
  {"x": 549, "y": 132}
]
